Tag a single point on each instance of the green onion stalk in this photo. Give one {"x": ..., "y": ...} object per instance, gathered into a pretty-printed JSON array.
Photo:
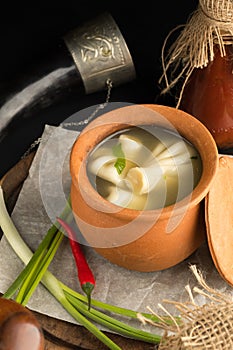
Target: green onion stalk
[{"x": 76, "y": 304}]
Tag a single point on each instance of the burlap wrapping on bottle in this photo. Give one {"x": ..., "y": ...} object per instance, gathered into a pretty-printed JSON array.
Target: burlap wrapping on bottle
[
  {"x": 210, "y": 24},
  {"x": 208, "y": 326}
]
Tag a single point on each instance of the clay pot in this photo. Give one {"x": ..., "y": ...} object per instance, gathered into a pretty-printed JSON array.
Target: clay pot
[{"x": 148, "y": 240}]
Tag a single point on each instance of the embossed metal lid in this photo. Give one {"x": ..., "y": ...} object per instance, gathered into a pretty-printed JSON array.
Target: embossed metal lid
[{"x": 100, "y": 53}]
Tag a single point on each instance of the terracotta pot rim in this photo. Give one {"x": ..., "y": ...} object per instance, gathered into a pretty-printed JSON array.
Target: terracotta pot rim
[{"x": 199, "y": 192}]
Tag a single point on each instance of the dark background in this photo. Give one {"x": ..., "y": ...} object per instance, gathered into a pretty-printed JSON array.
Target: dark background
[{"x": 30, "y": 35}]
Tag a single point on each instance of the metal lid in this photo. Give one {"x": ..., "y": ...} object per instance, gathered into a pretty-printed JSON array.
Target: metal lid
[{"x": 100, "y": 53}]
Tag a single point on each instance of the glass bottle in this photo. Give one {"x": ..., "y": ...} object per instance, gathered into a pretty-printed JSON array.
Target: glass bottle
[{"x": 208, "y": 96}]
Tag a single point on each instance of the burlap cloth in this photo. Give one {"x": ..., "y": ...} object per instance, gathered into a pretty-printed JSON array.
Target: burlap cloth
[
  {"x": 200, "y": 327},
  {"x": 211, "y": 24}
]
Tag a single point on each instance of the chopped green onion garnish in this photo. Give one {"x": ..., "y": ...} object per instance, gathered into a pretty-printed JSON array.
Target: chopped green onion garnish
[{"x": 120, "y": 162}]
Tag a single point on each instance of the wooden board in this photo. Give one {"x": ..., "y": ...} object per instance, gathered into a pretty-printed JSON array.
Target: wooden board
[{"x": 60, "y": 335}]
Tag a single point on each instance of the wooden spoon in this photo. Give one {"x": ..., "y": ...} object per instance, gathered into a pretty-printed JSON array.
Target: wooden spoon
[{"x": 19, "y": 329}]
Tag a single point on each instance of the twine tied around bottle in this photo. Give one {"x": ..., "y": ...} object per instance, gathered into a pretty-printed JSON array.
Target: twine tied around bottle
[{"x": 209, "y": 25}]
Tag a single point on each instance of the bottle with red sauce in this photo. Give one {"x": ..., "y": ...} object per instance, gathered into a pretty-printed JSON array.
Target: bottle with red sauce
[{"x": 208, "y": 96}]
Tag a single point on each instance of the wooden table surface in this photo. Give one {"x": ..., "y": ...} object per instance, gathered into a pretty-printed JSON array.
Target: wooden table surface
[{"x": 60, "y": 335}]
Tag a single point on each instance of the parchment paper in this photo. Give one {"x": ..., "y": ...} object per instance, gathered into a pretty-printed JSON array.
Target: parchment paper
[{"x": 41, "y": 200}]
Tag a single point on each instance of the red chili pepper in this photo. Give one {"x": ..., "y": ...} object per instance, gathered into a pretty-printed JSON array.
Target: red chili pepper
[{"x": 85, "y": 275}]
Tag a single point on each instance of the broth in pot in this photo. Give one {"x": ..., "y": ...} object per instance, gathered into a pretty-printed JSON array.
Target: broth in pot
[{"x": 144, "y": 167}]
